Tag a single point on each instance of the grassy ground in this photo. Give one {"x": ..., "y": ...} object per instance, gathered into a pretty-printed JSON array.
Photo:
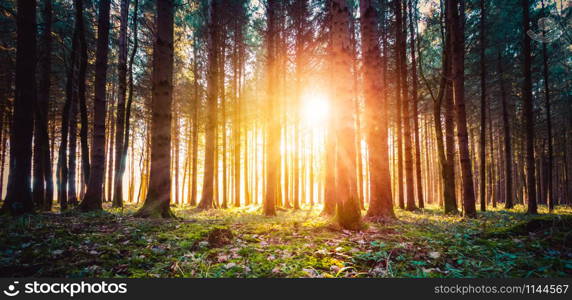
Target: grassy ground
[{"x": 242, "y": 243}]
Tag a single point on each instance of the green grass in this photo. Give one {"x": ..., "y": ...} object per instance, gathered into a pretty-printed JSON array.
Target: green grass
[{"x": 294, "y": 244}]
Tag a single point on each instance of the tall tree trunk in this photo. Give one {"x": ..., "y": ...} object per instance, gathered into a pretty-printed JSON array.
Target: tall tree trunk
[
  {"x": 86, "y": 167},
  {"x": 207, "y": 198},
  {"x": 414, "y": 101},
  {"x": 456, "y": 8},
  {"x": 93, "y": 197},
  {"x": 482, "y": 140},
  {"x": 19, "y": 197},
  {"x": 236, "y": 130},
  {"x": 545, "y": 72},
  {"x": 72, "y": 154},
  {"x": 78, "y": 95},
  {"x": 273, "y": 124},
  {"x": 224, "y": 123},
  {"x": 381, "y": 203},
  {"x": 195, "y": 134},
  {"x": 399, "y": 100},
  {"x": 348, "y": 212},
  {"x": 130, "y": 82},
  {"x": 157, "y": 203},
  {"x": 43, "y": 183},
  {"x": 121, "y": 99},
  {"x": 401, "y": 32},
  {"x": 506, "y": 137},
  {"x": 301, "y": 30},
  {"x": 528, "y": 111},
  {"x": 70, "y": 93}
]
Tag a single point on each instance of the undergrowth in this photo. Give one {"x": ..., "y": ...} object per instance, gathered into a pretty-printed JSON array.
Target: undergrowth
[{"x": 240, "y": 242}]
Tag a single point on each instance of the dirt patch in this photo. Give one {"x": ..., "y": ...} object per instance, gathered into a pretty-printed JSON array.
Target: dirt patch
[{"x": 219, "y": 237}]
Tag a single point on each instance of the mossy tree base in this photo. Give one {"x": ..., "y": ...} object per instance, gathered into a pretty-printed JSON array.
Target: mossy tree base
[
  {"x": 154, "y": 209},
  {"x": 348, "y": 215}
]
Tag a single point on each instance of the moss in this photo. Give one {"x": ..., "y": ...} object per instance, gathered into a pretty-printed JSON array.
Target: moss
[{"x": 293, "y": 244}]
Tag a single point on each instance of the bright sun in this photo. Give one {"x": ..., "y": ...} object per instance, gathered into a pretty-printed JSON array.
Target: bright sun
[{"x": 315, "y": 109}]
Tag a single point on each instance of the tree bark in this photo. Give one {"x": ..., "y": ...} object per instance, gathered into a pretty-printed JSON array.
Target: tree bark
[
  {"x": 273, "y": 125},
  {"x": 157, "y": 203},
  {"x": 457, "y": 28},
  {"x": 528, "y": 112},
  {"x": 483, "y": 128},
  {"x": 121, "y": 100},
  {"x": 545, "y": 73},
  {"x": 207, "y": 198},
  {"x": 43, "y": 181},
  {"x": 19, "y": 197},
  {"x": 414, "y": 101},
  {"x": 348, "y": 212},
  {"x": 93, "y": 197},
  {"x": 381, "y": 203}
]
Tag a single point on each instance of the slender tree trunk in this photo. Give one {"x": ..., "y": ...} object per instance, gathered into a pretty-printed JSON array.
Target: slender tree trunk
[
  {"x": 414, "y": 101},
  {"x": 400, "y": 20},
  {"x": 86, "y": 167},
  {"x": 506, "y": 137},
  {"x": 70, "y": 93},
  {"x": 195, "y": 134},
  {"x": 545, "y": 72},
  {"x": 121, "y": 99},
  {"x": 72, "y": 154},
  {"x": 528, "y": 112},
  {"x": 130, "y": 83},
  {"x": 236, "y": 110},
  {"x": 482, "y": 140},
  {"x": 43, "y": 182},
  {"x": 300, "y": 24}
]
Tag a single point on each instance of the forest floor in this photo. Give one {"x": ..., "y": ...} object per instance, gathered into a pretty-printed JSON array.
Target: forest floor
[{"x": 243, "y": 243}]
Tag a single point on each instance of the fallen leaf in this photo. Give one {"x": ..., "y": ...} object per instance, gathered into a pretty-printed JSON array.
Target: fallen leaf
[{"x": 229, "y": 265}]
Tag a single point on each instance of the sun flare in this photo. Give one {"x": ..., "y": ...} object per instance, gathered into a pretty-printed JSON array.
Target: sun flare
[{"x": 315, "y": 109}]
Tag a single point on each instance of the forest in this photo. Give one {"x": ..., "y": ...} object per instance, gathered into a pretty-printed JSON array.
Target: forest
[{"x": 286, "y": 138}]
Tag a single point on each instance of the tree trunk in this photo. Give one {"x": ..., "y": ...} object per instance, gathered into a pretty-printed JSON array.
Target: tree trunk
[
  {"x": 195, "y": 134},
  {"x": 506, "y": 137},
  {"x": 130, "y": 83},
  {"x": 381, "y": 203},
  {"x": 528, "y": 112},
  {"x": 348, "y": 212},
  {"x": 414, "y": 101},
  {"x": 273, "y": 124},
  {"x": 483, "y": 128},
  {"x": 86, "y": 167},
  {"x": 457, "y": 28},
  {"x": 207, "y": 198},
  {"x": 545, "y": 72},
  {"x": 93, "y": 197},
  {"x": 19, "y": 197},
  {"x": 157, "y": 203},
  {"x": 43, "y": 183},
  {"x": 121, "y": 99}
]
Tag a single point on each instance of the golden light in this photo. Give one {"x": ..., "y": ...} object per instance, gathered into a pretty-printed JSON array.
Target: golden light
[{"x": 315, "y": 109}]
